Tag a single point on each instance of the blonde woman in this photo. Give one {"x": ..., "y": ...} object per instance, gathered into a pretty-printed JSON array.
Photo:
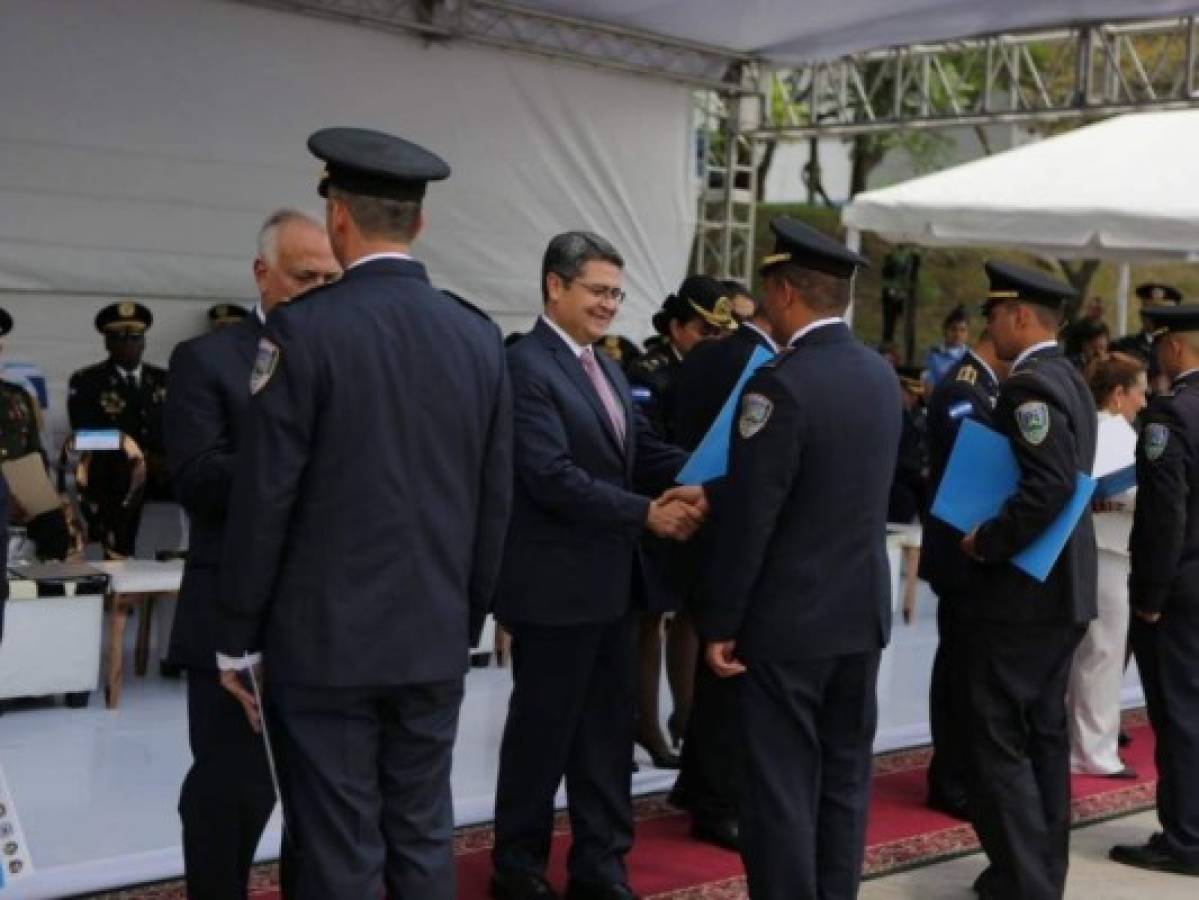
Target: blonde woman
[{"x": 1118, "y": 383}]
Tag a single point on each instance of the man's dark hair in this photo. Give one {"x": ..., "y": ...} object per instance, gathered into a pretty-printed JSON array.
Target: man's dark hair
[
  {"x": 567, "y": 253},
  {"x": 822, "y": 293},
  {"x": 381, "y": 217}
]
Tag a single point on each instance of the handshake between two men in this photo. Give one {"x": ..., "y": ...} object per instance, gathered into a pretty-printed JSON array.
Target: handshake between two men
[{"x": 678, "y": 513}]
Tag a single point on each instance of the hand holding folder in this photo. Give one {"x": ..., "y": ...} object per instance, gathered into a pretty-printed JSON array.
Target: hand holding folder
[{"x": 981, "y": 475}]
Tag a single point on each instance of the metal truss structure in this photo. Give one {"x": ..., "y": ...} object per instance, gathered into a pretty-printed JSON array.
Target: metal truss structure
[
  {"x": 515, "y": 27},
  {"x": 1089, "y": 70},
  {"x": 1081, "y": 71}
]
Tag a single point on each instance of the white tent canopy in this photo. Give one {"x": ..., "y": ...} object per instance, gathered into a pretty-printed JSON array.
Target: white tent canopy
[
  {"x": 1122, "y": 189},
  {"x": 793, "y": 30}
]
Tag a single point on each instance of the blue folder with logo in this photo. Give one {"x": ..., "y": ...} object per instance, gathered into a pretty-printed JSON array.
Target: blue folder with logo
[
  {"x": 981, "y": 475},
  {"x": 711, "y": 458}
]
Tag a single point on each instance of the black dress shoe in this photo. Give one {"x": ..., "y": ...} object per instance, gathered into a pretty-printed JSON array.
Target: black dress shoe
[
  {"x": 1123, "y": 740},
  {"x": 513, "y": 884},
  {"x": 721, "y": 831},
  {"x": 661, "y": 758},
  {"x": 1153, "y": 857},
  {"x": 986, "y": 883},
  {"x": 592, "y": 890}
]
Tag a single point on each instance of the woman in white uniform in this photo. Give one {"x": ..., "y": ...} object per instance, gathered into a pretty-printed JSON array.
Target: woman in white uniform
[{"x": 1118, "y": 383}]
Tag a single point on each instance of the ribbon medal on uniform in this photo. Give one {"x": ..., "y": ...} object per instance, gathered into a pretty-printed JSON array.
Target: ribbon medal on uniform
[
  {"x": 1156, "y": 438},
  {"x": 1032, "y": 419},
  {"x": 265, "y": 362},
  {"x": 755, "y": 413}
]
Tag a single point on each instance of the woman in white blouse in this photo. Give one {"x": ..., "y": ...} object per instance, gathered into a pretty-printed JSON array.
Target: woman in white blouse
[{"x": 1118, "y": 383}]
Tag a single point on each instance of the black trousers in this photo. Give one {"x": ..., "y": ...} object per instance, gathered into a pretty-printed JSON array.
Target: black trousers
[
  {"x": 1168, "y": 659},
  {"x": 1020, "y": 801},
  {"x": 808, "y": 730},
  {"x": 571, "y": 714},
  {"x": 365, "y": 778},
  {"x": 227, "y": 796},
  {"x": 710, "y": 771},
  {"x": 949, "y": 705}
]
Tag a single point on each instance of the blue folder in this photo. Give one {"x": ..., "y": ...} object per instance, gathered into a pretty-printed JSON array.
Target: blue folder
[
  {"x": 711, "y": 458},
  {"x": 1115, "y": 483},
  {"x": 981, "y": 475}
]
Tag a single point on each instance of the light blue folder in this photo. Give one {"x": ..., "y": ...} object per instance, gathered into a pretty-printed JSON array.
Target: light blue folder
[
  {"x": 711, "y": 458},
  {"x": 979, "y": 478}
]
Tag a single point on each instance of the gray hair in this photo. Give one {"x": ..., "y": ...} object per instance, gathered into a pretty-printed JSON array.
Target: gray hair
[
  {"x": 268, "y": 234},
  {"x": 567, "y": 253}
]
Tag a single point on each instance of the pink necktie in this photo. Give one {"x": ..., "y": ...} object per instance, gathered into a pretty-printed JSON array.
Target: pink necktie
[{"x": 600, "y": 383}]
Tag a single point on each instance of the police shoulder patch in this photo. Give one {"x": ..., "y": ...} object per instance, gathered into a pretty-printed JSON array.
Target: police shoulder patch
[
  {"x": 1032, "y": 418},
  {"x": 968, "y": 374},
  {"x": 755, "y": 413},
  {"x": 266, "y": 360},
  {"x": 1157, "y": 436}
]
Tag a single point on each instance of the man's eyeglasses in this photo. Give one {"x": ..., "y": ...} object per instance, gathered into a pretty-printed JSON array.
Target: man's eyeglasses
[{"x": 604, "y": 292}]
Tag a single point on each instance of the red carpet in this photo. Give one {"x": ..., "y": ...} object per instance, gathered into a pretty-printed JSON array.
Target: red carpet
[{"x": 667, "y": 865}]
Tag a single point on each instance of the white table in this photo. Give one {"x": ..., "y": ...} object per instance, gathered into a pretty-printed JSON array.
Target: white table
[{"x": 134, "y": 583}]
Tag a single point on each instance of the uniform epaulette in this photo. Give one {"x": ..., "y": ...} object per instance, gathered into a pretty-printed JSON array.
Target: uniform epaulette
[
  {"x": 651, "y": 362},
  {"x": 466, "y": 303},
  {"x": 968, "y": 374}
]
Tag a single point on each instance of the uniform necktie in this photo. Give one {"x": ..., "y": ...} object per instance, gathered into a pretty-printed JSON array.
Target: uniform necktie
[{"x": 607, "y": 398}]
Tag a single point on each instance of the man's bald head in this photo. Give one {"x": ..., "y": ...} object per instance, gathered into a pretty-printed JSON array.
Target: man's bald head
[{"x": 293, "y": 256}]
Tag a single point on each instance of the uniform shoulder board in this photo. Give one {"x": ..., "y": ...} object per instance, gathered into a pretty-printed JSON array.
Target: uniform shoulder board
[
  {"x": 651, "y": 362},
  {"x": 968, "y": 374},
  {"x": 778, "y": 358},
  {"x": 466, "y": 303}
]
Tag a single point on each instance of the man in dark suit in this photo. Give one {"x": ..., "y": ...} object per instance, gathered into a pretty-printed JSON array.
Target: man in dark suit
[
  {"x": 969, "y": 390},
  {"x": 586, "y": 466},
  {"x": 227, "y": 794},
  {"x": 126, "y": 394},
  {"x": 365, "y": 533},
  {"x": 1153, "y": 296},
  {"x": 709, "y": 782},
  {"x": 798, "y": 604},
  {"x": 1021, "y": 633},
  {"x": 1164, "y": 591}
]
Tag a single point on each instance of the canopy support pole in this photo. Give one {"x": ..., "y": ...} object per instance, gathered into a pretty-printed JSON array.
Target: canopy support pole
[
  {"x": 853, "y": 240},
  {"x": 1122, "y": 300}
]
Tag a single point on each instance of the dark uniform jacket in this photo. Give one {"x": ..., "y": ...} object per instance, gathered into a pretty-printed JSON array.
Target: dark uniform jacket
[
  {"x": 100, "y": 397},
  {"x": 372, "y": 486},
  {"x": 704, "y": 380},
  {"x": 651, "y": 379},
  {"x": 1165, "y": 532},
  {"x": 968, "y": 391},
  {"x": 581, "y": 499},
  {"x": 207, "y": 398},
  {"x": 1046, "y": 411},
  {"x": 801, "y": 571}
]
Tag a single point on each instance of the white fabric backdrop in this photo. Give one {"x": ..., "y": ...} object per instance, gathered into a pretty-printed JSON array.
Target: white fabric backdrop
[{"x": 141, "y": 144}]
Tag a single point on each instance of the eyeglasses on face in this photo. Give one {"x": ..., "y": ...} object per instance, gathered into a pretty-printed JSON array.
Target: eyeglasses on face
[{"x": 604, "y": 292}]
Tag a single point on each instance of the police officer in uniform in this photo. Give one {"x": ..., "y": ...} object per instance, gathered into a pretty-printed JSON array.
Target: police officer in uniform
[
  {"x": 129, "y": 395},
  {"x": 1021, "y": 633},
  {"x": 1164, "y": 592},
  {"x": 709, "y": 782},
  {"x": 969, "y": 390},
  {"x": 222, "y": 314},
  {"x": 798, "y": 605},
  {"x": 227, "y": 796},
  {"x": 700, "y": 311},
  {"x": 19, "y": 426},
  {"x": 365, "y": 532},
  {"x": 1153, "y": 296}
]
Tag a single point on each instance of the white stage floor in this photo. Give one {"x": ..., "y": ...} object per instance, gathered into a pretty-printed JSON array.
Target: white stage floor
[{"x": 96, "y": 789}]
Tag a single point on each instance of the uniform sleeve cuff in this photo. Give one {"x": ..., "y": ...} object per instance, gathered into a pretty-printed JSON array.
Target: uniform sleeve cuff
[{"x": 237, "y": 663}]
